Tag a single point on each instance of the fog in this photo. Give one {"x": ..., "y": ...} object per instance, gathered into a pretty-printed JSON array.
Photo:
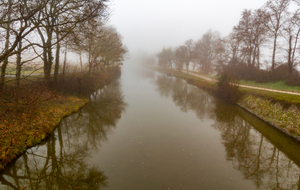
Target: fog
[{"x": 149, "y": 25}]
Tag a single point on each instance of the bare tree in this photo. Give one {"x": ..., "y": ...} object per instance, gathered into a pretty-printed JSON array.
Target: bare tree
[
  {"x": 15, "y": 23},
  {"x": 206, "y": 50},
  {"x": 165, "y": 57},
  {"x": 259, "y": 25},
  {"x": 277, "y": 12},
  {"x": 111, "y": 49},
  {"x": 232, "y": 45},
  {"x": 102, "y": 44},
  {"x": 23, "y": 11},
  {"x": 244, "y": 31},
  {"x": 189, "y": 54},
  {"x": 180, "y": 57},
  {"x": 291, "y": 32},
  {"x": 61, "y": 18}
]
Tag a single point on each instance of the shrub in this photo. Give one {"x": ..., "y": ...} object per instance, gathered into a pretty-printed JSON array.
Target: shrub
[
  {"x": 228, "y": 88},
  {"x": 294, "y": 79},
  {"x": 245, "y": 72},
  {"x": 82, "y": 83}
]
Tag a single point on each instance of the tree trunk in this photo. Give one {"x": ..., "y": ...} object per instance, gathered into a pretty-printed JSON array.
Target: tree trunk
[
  {"x": 187, "y": 67},
  {"x": 254, "y": 56},
  {"x": 48, "y": 62},
  {"x": 65, "y": 62},
  {"x": 48, "y": 65},
  {"x": 57, "y": 56},
  {"x": 5, "y": 62},
  {"x": 19, "y": 65},
  {"x": 250, "y": 55},
  {"x": 290, "y": 63},
  {"x": 274, "y": 52},
  {"x": 3, "y": 70},
  {"x": 258, "y": 61},
  {"x": 80, "y": 58},
  {"x": 295, "y": 46},
  {"x": 90, "y": 64}
]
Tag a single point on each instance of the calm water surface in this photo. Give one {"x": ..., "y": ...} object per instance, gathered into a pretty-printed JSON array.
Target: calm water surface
[{"x": 147, "y": 131}]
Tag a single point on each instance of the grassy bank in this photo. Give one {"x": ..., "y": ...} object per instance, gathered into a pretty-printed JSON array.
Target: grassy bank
[
  {"x": 279, "y": 85},
  {"x": 30, "y": 113},
  {"x": 285, "y": 118},
  {"x": 279, "y": 109}
]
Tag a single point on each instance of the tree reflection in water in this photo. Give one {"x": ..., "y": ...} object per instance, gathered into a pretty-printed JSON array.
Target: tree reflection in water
[
  {"x": 266, "y": 157},
  {"x": 185, "y": 96},
  {"x": 61, "y": 161}
]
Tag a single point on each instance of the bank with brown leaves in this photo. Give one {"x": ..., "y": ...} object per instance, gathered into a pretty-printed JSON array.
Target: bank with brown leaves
[{"x": 28, "y": 114}]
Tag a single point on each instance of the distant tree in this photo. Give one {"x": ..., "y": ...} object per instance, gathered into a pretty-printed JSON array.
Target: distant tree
[
  {"x": 149, "y": 59},
  {"x": 102, "y": 44},
  {"x": 245, "y": 32},
  {"x": 111, "y": 49},
  {"x": 181, "y": 57},
  {"x": 190, "y": 53},
  {"x": 206, "y": 50},
  {"x": 165, "y": 58},
  {"x": 221, "y": 54}
]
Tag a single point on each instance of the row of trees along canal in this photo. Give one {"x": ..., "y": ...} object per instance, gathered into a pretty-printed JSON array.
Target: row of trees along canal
[
  {"x": 33, "y": 30},
  {"x": 274, "y": 28}
]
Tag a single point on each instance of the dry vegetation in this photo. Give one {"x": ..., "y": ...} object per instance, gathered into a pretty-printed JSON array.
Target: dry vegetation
[{"x": 29, "y": 113}]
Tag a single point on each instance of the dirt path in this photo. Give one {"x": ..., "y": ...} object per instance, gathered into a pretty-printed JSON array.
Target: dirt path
[{"x": 246, "y": 86}]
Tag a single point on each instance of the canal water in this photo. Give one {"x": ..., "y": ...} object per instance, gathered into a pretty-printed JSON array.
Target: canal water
[{"x": 148, "y": 131}]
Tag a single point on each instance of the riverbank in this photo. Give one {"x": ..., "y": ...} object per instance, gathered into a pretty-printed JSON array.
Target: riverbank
[
  {"x": 280, "y": 110},
  {"x": 284, "y": 118},
  {"x": 25, "y": 123}
]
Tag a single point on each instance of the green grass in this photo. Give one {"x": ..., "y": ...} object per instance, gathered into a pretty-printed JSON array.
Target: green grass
[
  {"x": 285, "y": 99},
  {"x": 280, "y": 85}
]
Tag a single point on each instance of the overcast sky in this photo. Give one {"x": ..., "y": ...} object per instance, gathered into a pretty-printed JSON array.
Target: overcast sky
[{"x": 149, "y": 25}]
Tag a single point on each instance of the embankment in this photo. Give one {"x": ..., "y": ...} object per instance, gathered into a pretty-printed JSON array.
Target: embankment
[
  {"x": 23, "y": 126},
  {"x": 286, "y": 118}
]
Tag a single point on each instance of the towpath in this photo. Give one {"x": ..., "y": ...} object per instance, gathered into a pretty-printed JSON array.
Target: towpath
[{"x": 245, "y": 86}]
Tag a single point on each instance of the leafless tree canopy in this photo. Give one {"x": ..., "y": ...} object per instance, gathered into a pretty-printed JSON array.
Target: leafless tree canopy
[
  {"x": 46, "y": 28},
  {"x": 273, "y": 28}
]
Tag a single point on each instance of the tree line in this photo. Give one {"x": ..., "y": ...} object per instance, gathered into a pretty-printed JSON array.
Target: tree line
[
  {"x": 41, "y": 29},
  {"x": 273, "y": 30}
]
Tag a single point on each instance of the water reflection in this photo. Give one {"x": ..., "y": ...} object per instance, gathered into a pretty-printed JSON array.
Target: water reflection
[
  {"x": 185, "y": 96},
  {"x": 254, "y": 154},
  {"x": 61, "y": 161},
  {"x": 158, "y": 146},
  {"x": 263, "y": 155}
]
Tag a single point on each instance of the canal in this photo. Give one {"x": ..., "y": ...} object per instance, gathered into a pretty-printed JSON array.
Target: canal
[{"x": 148, "y": 131}]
